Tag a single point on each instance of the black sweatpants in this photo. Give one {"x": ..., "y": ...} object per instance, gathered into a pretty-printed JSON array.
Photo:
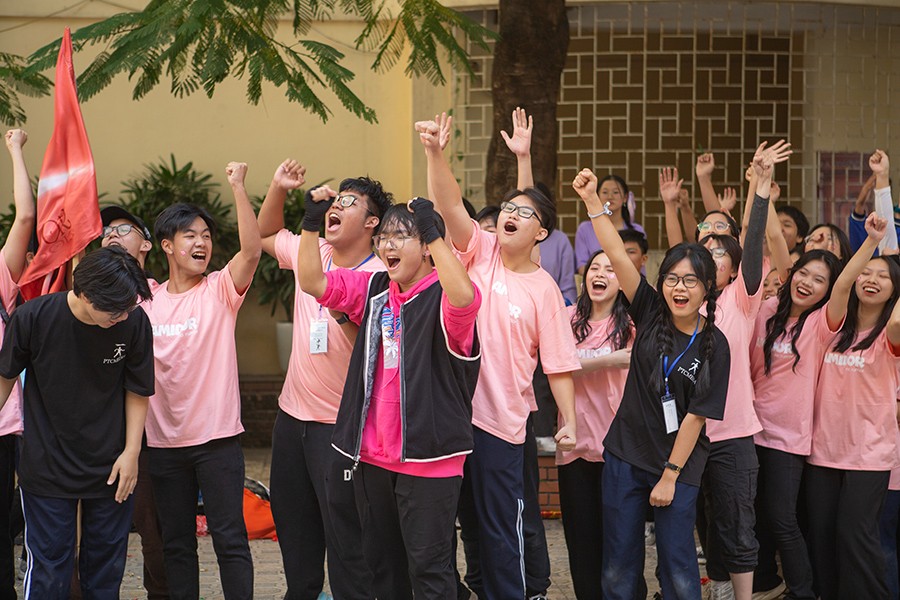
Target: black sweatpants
[
  {"x": 844, "y": 509},
  {"x": 581, "y": 502}
]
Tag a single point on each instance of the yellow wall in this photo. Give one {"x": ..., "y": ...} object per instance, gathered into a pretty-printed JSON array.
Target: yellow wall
[{"x": 126, "y": 134}]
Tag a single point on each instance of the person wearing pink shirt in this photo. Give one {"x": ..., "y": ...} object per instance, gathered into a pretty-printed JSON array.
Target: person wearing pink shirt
[
  {"x": 790, "y": 337},
  {"x": 405, "y": 414},
  {"x": 525, "y": 311},
  {"x": 603, "y": 334},
  {"x": 12, "y": 263},
  {"x": 311, "y": 486},
  {"x": 854, "y": 436},
  {"x": 195, "y": 415}
]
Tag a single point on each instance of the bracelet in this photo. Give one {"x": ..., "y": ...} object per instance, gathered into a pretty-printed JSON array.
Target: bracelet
[
  {"x": 605, "y": 211},
  {"x": 672, "y": 466},
  {"x": 344, "y": 318}
]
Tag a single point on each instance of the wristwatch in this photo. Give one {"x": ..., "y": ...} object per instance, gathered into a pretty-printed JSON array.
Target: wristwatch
[
  {"x": 605, "y": 211},
  {"x": 672, "y": 466},
  {"x": 344, "y": 319}
]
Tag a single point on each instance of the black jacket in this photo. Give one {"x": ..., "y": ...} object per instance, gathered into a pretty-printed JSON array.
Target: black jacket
[{"x": 436, "y": 385}]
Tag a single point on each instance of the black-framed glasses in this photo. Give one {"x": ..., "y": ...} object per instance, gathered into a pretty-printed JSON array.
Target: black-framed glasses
[
  {"x": 395, "y": 242},
  {"x": 690, "y": 280},
  {"x": 526, "y": 212},
  {"x": 121, "y": 230},
  {"x": 717, "y": 226}
]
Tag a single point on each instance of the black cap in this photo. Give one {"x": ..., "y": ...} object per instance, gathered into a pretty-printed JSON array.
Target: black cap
[{"x": 111, "y": 213}]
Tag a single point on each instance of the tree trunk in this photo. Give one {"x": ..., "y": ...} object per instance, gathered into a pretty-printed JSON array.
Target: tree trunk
[{"x": 528, "y": 61}]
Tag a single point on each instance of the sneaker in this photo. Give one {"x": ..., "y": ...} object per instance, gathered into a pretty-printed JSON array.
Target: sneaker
[
  {"x": 325, "y": 596},
  {"x": 546, "y": 445},
  {"x": 720, "y": 590},
  {"x": 701, "y": 556},
  {"x": 649, "y": 533},
  {"x": 775, "y": 592}
]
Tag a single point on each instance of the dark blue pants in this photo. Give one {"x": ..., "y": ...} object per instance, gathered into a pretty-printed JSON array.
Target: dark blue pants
[
  {"x": 314, "y": 509},
  {"x": 178, "y": 474},
  {"x": 890, "y": 531},
  {"x": 537, "y": 557},
  {"x": 50, "y": 525},
  {"x": 626, "y": 494},
  {"x": 492, "y": 503}
]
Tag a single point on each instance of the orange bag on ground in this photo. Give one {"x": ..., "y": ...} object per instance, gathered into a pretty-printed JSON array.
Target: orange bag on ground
[{"x": 258, "y": 517}]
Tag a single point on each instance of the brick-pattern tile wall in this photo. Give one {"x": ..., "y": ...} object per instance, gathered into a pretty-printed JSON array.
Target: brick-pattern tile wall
[
  {"x": 259, "y": 405},
  {"x": 650, "y": 84},
  {"x": 548, "y": 492}
]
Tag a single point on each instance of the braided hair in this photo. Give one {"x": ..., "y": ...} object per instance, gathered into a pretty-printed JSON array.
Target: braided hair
[
  {"x": 847, "y": 334},
  {"x": 776, "y": 325},
  {"x": 621, "y": 332},
  {"x": 704, "y": 267}
]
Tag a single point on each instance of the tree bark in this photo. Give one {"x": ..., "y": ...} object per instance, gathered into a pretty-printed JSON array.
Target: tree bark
[{"x": 528, "y": 61}]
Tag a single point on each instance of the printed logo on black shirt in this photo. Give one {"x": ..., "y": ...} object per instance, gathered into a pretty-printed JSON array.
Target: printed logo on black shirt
[
  {"x": 118, "y": 355},
  {"x": 691, "y": 372}
]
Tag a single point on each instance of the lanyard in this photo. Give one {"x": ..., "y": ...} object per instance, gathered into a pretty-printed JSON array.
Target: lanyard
[
  {"x": 667, "y": 370},
  {"x": 328, "y": 268}
]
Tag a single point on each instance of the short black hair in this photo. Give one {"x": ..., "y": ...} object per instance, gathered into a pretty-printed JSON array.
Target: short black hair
[
  {"x": 490, "y": 212},
  {"x": 400, "y": 217},
  {"x": 797, "y": 216},
  {"x": 111, "y": 280},
  {"x": 379, "y": 200},
  {"x": 732, "y": 224},
  {"x": 545, "y": 207},
  {"x": 179, "y": 217},
  {"x": 633, "y": 235}
]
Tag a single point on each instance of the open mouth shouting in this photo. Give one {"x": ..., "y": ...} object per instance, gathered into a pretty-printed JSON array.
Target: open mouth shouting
[
  {"x": 680, "y": 300},
  {"x": 871, "y": 289},
  {"x": 803, "y": 292},
  {"x": 199, "y": 255},
  {"x": 391, "y": 261},
  {"x": 510, "y": 227},
  {"x": 333, "y": 221}
]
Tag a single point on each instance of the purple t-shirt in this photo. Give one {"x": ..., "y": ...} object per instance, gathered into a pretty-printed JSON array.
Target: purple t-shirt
[
  {"x": 586, "y": 242},
  {"x": 558, "y": 259}
]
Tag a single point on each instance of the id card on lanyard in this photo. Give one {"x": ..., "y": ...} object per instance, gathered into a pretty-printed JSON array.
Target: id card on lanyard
[
  {"x": 670, "y": 412},
  {"x": 318, "y": 328}
]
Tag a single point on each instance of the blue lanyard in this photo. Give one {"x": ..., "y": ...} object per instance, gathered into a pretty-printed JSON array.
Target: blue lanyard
[
  {"x": 328, "y": 268},
  {"x": 667, "y": 370}
]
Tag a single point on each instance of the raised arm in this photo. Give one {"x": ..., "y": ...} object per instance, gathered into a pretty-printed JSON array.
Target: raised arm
[
  {"x": 764, "y": 162},
  {"x": 778, "y": 249},
  {"x": 20, "y": 233},
  {"x": 836, "y": 309},
  {"x": 585, "y": 184},
  {"x": 444, "y": 122},
  {"x": 454, "y": 279},
  {"x": 520, "y": 145},
  {"x": 447, "y": 195},
  {"x": 706, "y": 164},
  {"x": 243, "y": 264},
  {"x": 310, "y": 274},
  {"x": 862, "y": 199},
  {"x": 884, "y": 205},
  {"x": 688, "y": 220},
  {"x": 669, "y": 189},
  {"x": 288, "y": 176}
]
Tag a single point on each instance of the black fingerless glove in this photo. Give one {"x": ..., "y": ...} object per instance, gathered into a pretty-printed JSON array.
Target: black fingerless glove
[
  {"x": 426, "y": 219},
  {"x": 314, "y": 212}
]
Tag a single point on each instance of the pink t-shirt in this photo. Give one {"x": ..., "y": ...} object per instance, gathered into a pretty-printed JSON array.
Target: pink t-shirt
[
  {"x": 382, "y": 439},
  {"x": 521, "y": 313},
  {"x": 855, "y": 419},
  {"x": 314, "y": 383},
  {"x": 197, "y": 397},
  {"x": 736, "y": 314},
  {"x": 785, "y": 397},
  {"x": 597, "y": 394},
  {"x": 11, "y": 420}
]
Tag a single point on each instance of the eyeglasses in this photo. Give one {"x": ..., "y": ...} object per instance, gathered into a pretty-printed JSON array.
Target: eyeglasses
[
  {"x": 717, "y": 226},
  {"x": 526, "y": 212},
  {"x": 718, "y": 252},
  {"x": 348, "y": 200},
  {"x": 395, "y": 242},
  {"x": 690, "y": 281},
  {"x": 121, "y": 230}
]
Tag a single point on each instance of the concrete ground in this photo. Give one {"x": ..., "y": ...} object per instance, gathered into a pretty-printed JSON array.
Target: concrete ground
[{"x": 269, "y": 576}]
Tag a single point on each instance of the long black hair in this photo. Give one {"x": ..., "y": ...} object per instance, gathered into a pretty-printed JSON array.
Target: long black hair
[
  {"x": 848, "y": 332},
  {"x": 620, "y": 334},
  {"x": 703, "y": 265},
  {"x": 776, "y": 326}
]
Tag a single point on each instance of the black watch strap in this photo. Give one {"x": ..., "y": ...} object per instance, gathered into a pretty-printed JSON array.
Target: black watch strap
[
  {"x": 672, "y": 466},
  {"x": 343, "y": 319}
]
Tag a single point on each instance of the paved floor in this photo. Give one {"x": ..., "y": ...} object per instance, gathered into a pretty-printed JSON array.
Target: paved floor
[{"x": 269, "y": 576}]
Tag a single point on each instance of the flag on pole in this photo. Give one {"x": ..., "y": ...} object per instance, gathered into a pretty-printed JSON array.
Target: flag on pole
[{"x": 68, "y": 211}]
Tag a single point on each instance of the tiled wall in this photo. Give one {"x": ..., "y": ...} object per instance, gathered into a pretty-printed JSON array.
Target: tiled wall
[{"x": 649, "y": 85}]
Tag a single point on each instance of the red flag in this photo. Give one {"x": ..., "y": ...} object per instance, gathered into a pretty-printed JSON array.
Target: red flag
[{"x": 67, "y": 205}]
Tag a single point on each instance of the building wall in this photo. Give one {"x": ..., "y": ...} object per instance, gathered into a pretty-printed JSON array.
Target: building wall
[{"x": 651, "y": 84}]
